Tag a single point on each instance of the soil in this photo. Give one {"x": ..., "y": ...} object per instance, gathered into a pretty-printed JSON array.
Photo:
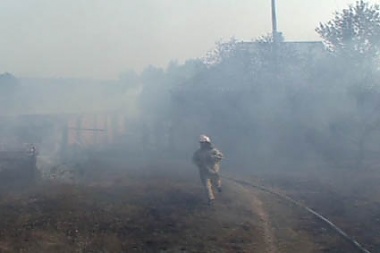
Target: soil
[{"x": 162, "y": 207}]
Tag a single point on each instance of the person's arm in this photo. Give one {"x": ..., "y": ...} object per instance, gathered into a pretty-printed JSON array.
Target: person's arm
[{"x": 216, "y": 155}]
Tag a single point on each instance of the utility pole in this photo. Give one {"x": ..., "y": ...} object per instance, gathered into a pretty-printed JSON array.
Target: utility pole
[
  {"x": 276, "y": 41},
  {"x": 274, "y": 22}
]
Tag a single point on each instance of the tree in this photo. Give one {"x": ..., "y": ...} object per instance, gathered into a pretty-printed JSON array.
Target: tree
[
  {"x": 8, "y": 87},
  {"x": 7, "y": 83},
  {"x": 354, "y": 30},
  {"x": 238, "y": 99},
  {"x": 353, "y": 37}
]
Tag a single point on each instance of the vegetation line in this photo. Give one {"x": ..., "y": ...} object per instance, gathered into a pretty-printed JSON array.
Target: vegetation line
[{"x": 343, "y": 234}]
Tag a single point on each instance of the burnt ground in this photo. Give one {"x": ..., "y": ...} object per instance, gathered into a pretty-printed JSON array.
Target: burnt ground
[
  {"x": 161, "y": 207},
  {"x": 349, "y": 198}
]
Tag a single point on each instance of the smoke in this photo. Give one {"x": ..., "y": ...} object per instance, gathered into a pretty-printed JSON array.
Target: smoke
[{"x": 288, "y": 106}]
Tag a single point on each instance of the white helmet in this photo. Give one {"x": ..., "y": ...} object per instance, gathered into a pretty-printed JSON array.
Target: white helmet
[{"x": 204, "y": 138}]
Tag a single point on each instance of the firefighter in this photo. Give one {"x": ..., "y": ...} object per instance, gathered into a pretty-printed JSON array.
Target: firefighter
[{"x": 207, "y": 158}]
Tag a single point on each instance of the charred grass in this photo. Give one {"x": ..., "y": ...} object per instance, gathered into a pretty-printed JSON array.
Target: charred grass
[{"x": 116, "y": 209}]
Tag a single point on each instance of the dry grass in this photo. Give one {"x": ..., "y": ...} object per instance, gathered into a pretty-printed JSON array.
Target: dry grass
[
  {"x": 120, "y": 210},
  {"x": 156, "y": 208}
]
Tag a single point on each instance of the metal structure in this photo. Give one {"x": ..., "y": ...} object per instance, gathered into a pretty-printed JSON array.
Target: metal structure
[{"x": 274, "y": 22}]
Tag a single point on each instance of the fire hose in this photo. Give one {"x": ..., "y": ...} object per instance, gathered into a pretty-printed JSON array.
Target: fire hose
[{"x": 334, "y": 227}]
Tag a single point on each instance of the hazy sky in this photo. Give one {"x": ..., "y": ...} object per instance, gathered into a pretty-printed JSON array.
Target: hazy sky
[{"x": 102, "y": 38}]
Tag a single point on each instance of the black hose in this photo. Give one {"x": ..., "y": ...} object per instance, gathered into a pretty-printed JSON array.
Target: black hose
[{"x": 309, "y": 210}]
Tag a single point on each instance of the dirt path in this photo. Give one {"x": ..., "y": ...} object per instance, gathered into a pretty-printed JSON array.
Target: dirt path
[
  {"x": 287, "y": 228},
  {"x": 266, "y": 226},
  {"x": 349, "y": 201}
]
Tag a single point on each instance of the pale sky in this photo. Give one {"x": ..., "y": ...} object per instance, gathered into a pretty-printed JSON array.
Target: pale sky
[{"x": 102, "y": 38}]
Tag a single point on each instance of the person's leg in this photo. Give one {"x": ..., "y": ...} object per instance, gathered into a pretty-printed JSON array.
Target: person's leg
[
  {"x": 218, "y": 182},
  {"x": 206, "y": 181}
]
